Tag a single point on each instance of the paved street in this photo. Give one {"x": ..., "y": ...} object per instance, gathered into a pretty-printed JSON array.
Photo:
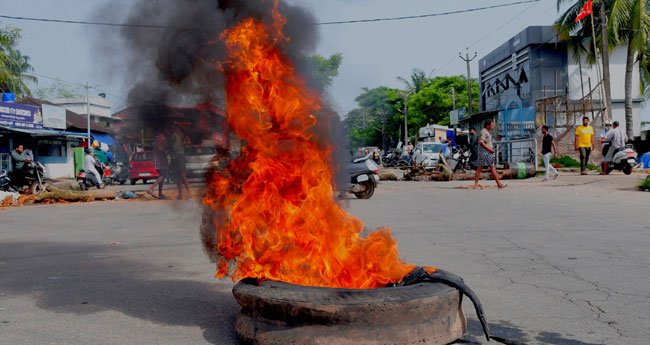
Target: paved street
[{"x": 562, "y": 262}]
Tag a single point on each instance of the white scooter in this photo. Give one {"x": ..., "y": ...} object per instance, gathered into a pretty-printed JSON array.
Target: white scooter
[{"x": 624, "y": 160}]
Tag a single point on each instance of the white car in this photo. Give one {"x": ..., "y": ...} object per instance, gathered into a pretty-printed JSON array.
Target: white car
[
  {"x": 200, "y": 159},
  {"x": 427, "y": 154}
]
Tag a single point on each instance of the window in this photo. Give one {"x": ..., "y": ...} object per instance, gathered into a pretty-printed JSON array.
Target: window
[{"x": 51, "y": 148}]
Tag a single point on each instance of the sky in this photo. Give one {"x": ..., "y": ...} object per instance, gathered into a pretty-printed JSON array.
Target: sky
[{"x": 374, "y": 54}]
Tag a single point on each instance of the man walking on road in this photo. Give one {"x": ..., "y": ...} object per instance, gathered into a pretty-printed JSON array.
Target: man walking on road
[
  {"x": 617, "y": 139},
  {"x": 548, "y": 146},
  {"x": 473, "y": 146},
  {"x": 486, "y": 155},
  {"x": 584, "y": 142},
  {"x": 160, "y": 164}
]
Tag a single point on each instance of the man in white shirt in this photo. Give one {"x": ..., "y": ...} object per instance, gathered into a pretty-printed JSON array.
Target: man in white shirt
[
  {"x": 617, "y": 139},
  {"x": 89, "y": 165}
]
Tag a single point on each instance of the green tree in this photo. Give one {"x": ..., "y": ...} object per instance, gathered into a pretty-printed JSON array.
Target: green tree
[
  {"x": 382, "y": 108},
  {"x": 628, "y": 23},
  {"x": 376, "y": 114},
  {"x": 325, "y": 69},
  {"x": 59, "y": 89},
  {"x": 435, "y": 100},
  {"x": 14, "y": 66}
]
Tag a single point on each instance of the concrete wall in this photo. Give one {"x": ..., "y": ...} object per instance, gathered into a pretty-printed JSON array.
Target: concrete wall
[
  {"x": 59, "y": 167},
  {"x": 617, "y": 76}
]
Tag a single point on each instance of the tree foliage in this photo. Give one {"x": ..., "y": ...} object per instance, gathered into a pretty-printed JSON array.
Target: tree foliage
[
  {"x": 14, "y": 66},
  {"x": 59, "y": 89},
  {"x": 429, "y": 101},
  {"x": 628, "y": 23},
  {"x": 325, "y": 69}
]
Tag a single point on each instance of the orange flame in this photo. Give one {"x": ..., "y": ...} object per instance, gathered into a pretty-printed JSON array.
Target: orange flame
[{"x": 279, "y": 218}]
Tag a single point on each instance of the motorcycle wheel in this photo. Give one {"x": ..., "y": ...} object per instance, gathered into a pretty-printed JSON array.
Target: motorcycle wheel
[
  {"x": 368, "y": 192},
  {"x": 144, "y": 181},
  {"x": 82, "y": 185},
  {"x": 122, "y": 182},
  {"x": 627, "y": 169},
  {"x": 36, "y": 187},
  {"x": 132, "y": 181}
]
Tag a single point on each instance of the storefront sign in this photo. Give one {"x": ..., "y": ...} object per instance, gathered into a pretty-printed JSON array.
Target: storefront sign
[
  {"x": 453, "y": 117},
  {"x": 54, "y": 117},
  {"x": 20, "y": 116}
]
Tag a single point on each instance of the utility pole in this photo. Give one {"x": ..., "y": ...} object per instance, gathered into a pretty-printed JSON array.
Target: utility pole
[
  {"x": 453, "y": 98},
  {"x": 605, "y": 52},
  {"x": 469, "y": 79},
  {"x": 453, "y": 105},
  {"x": 88, "y": 110},
  {"x": 406, "y": 110}
]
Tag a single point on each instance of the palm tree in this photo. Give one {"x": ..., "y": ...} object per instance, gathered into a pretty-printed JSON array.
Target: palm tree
[
  {"x": 14, "y": 66},
  {"x": 628, "y": 22},
  {"x": 18, "y": 66},
  {"x": 418, "y": 81}
]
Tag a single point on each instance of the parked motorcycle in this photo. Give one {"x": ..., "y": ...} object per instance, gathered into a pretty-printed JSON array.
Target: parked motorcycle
[
  {"x": 363, "y": 177},
  {"x": 459, "y": 160},
  {"x": 624, "y": 160},
  {"x": 120, "y": 172},
  {"x": 32, "y": 180}
]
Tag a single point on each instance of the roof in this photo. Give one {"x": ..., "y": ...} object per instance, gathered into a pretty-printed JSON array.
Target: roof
[
  {"x": 532, "y": 35},
  {"x": 73, "y": 120}
]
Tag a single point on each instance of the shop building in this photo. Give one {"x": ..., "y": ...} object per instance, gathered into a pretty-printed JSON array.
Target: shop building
[{"x": 535, "y": 64}]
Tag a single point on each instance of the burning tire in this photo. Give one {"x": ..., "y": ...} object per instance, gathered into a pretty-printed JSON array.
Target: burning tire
[{"x": 280, "y": 313}]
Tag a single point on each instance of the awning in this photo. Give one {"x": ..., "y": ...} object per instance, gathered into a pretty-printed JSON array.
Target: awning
[
  {"x": 103, "y": 138},
  {"x": 45, "y": 132}
]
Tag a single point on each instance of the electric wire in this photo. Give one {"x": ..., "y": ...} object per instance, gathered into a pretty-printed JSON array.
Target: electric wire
[
  {"x": 154, "y": 26},
  {"x": 427, "y": 15}
]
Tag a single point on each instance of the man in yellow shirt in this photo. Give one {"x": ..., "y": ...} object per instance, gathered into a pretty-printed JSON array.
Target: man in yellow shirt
[{"x": 584, "y": 143}]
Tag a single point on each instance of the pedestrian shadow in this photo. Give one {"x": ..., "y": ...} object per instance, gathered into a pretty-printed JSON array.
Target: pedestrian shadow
[{"x": 84, "y": 280}]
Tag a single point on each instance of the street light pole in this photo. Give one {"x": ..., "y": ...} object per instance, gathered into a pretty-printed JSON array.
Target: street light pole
[{"x": 469, "y": 79}]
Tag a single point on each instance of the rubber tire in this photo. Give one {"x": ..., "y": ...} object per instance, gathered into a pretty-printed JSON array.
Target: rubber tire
[
  {"x": 122, "y": 182},
  {"x": 144, "y": 181},
  {"x": 627, "y": 170},
  {"x": 133, "y": 181},
  {"x": 366, "y": 194},
  {"x": 82, "y": 186},
  {"x": 286, "y": 302}
]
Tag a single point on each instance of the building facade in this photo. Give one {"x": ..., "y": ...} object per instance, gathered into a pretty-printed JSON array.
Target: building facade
[{"x": 535, "y": 64}]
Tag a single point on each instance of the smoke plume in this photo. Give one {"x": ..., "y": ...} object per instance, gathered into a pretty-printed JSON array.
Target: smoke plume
[{"x": 177, "y": 64}]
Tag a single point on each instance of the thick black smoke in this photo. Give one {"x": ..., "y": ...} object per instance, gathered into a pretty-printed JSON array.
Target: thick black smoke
[{"x": 177, "y": 65}]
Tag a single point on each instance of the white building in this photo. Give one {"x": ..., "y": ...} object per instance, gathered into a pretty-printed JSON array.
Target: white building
[
  {"x": 100, "y": 108},
  {"x": 617, "y": 60}
]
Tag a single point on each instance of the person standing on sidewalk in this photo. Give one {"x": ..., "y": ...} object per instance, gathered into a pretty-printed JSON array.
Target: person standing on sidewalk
[
  {"x": 486, "y": 156},
  {"x": 160, "y": 164},
  {"x": 584, "y": 142},
  {"x": 548, "y": 147}
]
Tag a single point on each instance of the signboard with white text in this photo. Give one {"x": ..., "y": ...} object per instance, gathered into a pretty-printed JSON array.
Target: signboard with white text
[
  {"x": 54, "y": 117},
  {"x": 20, "y": 116}
]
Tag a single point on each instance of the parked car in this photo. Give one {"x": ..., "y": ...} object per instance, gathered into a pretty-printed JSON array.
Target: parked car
[
  {"x": 142, "y": 167},
  {"x": 200, "y": 159},
  {"x": 427, "y": 154}
]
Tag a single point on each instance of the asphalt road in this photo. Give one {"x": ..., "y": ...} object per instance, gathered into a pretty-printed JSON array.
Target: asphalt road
[{"x": 562, "y": 262}]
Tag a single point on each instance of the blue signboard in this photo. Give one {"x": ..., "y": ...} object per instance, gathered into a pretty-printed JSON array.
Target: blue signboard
[{"x": 20, "y": 116}]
